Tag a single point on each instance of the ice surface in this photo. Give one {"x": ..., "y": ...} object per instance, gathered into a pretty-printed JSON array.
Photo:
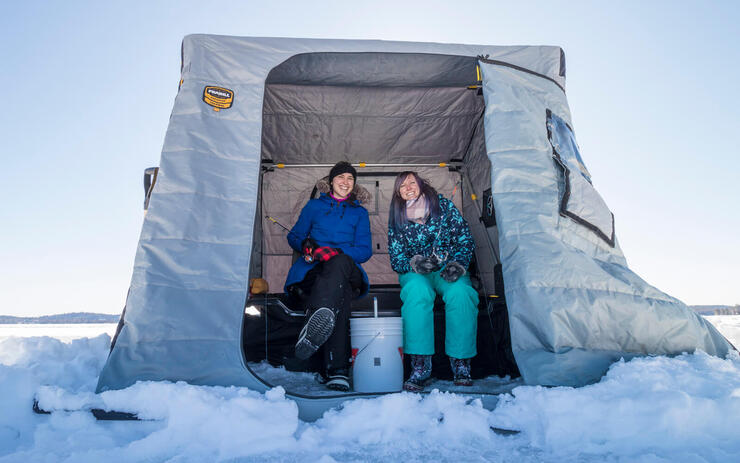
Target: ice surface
[
  {"x": 307, "y": 384},
  {"x": 63, "y": 331},
  {"x": 729, "y": 326},
  {"x": 653, "y": 409}
]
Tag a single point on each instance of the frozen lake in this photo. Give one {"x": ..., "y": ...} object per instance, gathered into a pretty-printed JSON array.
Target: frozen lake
[
  {"x": 63, "y": 332},
  {"x": 728, "y": 325}
]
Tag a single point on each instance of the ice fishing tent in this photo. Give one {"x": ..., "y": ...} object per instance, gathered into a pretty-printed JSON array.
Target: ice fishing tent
[{"x": 257, "y": 121}]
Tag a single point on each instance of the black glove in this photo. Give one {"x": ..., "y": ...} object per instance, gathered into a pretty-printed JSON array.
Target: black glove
[
  {"x": 423, "y": 265},
  {"x": 452, "y": 272},
  {"x": 307, "y": 247}
]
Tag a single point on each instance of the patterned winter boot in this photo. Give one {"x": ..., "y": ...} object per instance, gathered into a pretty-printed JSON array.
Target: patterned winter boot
[
  {"x": 421, "y": 371},
  {"x": 461, "y": 371}
]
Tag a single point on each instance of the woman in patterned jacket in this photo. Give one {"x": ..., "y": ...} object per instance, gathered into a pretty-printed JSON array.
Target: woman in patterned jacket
[{"x": 430, "y": 248}]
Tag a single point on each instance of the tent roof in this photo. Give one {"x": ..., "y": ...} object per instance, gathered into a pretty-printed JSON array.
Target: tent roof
[{"x": 216, "y": 56}]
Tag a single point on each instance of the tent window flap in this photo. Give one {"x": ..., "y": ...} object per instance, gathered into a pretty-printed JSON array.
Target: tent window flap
[{"x": 579, "y": 200}]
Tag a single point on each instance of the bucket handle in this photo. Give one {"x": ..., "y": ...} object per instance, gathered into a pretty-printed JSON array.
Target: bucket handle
[{"x": 368, "y": 343}]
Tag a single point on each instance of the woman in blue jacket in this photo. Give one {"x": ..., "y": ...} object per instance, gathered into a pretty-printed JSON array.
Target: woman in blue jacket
[
  {"x": 333, "y": 236},
  {"x": 430, "y": 247}
]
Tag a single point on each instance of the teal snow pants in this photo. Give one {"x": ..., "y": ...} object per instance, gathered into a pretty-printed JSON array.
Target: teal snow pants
[{"x": 461, "y": 314}]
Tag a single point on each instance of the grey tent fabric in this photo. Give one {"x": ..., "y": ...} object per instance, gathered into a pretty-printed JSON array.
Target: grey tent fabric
[
  {"x": 384, "y": 125},
  {"x": 426, "y": 70},
  {"x": 248, "y": 60},
  {"x": 574, "y": 305}
]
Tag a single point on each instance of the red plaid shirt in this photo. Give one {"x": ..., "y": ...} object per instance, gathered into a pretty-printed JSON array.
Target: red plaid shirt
[{"x": 325, "y": 253}]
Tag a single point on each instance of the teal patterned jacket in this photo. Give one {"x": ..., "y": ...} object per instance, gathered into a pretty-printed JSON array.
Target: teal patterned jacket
[{"x": 448, "y": 235}]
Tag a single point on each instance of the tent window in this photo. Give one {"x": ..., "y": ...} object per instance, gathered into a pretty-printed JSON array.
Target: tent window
[{"x": 579, "y": 200}]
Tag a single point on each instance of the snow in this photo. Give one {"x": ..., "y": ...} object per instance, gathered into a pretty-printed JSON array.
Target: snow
[
  {"x": 728, "y": 325},
  {"x": 62, "y": 331},
  {"x": 652, "y": 409},
  {"x": 308, "y": 384}
]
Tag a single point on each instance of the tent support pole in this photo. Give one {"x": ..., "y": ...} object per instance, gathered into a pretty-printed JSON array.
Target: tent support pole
[{"x": 281, "y": 165}]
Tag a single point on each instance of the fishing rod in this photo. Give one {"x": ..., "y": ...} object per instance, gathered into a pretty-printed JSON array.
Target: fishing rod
[
  {"x": 307, "y": 257},
  {"x": 279, "y": 224}
]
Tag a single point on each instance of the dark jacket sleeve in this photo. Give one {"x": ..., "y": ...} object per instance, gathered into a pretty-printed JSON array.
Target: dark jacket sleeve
[
  {"x": 302, "y": 228},
  {"x": 362, "y": 248}
]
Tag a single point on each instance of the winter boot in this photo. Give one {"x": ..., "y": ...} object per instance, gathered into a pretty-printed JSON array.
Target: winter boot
[
  {"x": 338, "y": 380},
  {"x": 421, "y": 371},
  {"x": 461, "y": 371},
  {"x": 315, "y": 332}
]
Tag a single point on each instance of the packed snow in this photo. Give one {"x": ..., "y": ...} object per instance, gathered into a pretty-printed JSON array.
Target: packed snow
[
  {"x": 308, "y": 383},
  {"x": 652, "y": 409},
  {"x": 63, "y": 332}
]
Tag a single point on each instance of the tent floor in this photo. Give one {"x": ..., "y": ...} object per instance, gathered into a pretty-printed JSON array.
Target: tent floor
[{"x": 305, "y": 384}]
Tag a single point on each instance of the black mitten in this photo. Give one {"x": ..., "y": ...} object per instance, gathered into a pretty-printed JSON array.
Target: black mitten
[
  {"x": 423, "y": 265},
  {"x": 452, "y": 272},
  {"x": 307, "y": 247}
]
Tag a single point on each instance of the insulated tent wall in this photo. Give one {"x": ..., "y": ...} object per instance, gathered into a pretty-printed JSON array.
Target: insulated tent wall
[{"x": 574, "y": 305}]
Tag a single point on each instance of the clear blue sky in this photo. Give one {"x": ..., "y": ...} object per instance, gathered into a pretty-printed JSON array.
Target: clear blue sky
[{"x": 88, "y": 88}]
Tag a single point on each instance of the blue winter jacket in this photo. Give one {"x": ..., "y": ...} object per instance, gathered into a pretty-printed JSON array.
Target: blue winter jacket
[{"x": 339, "y": 224}]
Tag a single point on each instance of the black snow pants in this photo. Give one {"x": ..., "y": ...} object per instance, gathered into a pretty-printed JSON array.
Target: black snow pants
[{"x": 333, "y": 284}]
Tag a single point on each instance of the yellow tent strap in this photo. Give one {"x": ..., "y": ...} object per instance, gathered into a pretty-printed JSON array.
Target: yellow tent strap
[{"x": 478, "y": 78}]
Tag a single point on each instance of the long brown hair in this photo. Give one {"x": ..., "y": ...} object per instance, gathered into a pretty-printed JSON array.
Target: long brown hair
[{"x": 397, "y": 214}]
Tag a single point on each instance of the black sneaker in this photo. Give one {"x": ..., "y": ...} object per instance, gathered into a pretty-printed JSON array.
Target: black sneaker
[
  {"x": 315, "y": 332},
  {"x": 338, "y": 382}
]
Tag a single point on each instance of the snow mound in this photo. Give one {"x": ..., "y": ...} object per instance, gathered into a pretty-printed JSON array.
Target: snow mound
[
  {"x": 653, "y": 409},
  {"x": 688, "y": 405}
]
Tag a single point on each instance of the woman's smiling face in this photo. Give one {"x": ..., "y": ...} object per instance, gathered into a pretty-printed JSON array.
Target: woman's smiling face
[
  {"x": 409, "y": 189},
  {"x": 342, "y": 184}
]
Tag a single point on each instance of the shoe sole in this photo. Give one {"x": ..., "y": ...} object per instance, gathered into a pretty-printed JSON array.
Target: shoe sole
[{"x": 318, "y": 328}]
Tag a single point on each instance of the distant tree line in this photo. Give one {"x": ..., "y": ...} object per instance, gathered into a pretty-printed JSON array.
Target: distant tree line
[{"x": 734, "y": 310}]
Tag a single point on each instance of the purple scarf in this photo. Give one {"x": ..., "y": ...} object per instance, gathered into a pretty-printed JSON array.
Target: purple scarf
[{"x": 417, "y": 210}]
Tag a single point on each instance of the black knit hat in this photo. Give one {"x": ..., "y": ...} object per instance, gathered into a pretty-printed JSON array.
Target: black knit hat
[{"x": 342, "y": 167}]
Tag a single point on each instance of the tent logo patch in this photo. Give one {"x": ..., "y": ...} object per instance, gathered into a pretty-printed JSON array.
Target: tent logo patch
[{"x": 218, "y": 97}]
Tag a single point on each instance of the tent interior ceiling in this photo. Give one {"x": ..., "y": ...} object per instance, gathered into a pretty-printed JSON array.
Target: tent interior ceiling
[
  {"x": 376, "y": 70},
  {"x": 370, "y": 107}
]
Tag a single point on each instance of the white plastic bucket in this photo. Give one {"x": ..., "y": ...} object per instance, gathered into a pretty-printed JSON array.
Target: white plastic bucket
[{"x": 377, "y": 350}]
